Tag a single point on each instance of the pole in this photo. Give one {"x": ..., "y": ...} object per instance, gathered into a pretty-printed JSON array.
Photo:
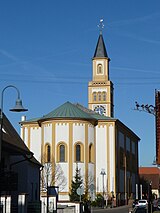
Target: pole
[
  {"x": 47, "y": 196},
  {"x": 17, "y": 108},
  {"x": 103, "y": 173},
  {"x": 103, "y": 185}
]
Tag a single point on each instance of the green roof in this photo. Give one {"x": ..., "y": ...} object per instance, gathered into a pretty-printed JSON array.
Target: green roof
[
  {"x": 71, "y": 111},
  {"x": 94, "y": 114},
  {"x": 68, "y": 110}
]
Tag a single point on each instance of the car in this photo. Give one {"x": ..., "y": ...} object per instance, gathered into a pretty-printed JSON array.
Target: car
[
  {"x": 143, "y": 203},
  {"x": 135, "y": 203}
]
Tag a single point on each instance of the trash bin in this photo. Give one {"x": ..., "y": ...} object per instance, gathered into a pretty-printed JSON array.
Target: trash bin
[{"x": 87, "y": 207}]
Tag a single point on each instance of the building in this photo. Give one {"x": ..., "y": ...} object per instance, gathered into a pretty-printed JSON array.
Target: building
[
  {"x": 19, "y": 174},
  {"x": 103, "y": 148},
  {"x": 152, "y": 176},
  {"x": 157, "y": 119}
]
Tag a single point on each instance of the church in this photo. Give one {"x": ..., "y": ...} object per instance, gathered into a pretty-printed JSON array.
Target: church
[{"x": 103, "y": 148}]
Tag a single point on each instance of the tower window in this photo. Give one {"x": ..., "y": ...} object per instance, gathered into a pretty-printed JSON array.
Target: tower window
[
  {"x": 94, "y": 96},
  {"x": 99, "y": 69},
  {"x": 104, "y": 96},
  {"x": 99, "y": 96}
]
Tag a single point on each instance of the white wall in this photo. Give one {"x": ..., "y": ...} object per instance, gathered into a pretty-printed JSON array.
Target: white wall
[
  {"x": 35, "y": 142},
  {"x": 101, "y": 155}
]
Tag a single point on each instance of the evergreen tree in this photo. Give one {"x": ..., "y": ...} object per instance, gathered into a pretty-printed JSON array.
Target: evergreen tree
[{"x": 76, "y": 183}]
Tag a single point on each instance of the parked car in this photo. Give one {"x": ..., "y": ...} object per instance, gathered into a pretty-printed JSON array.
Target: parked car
[
  {"x": 135, "y": 203},
  {"x": 143, "y": 203}
]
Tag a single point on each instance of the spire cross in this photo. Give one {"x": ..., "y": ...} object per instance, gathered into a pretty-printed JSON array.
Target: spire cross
[{"x": 101, "y": 25}]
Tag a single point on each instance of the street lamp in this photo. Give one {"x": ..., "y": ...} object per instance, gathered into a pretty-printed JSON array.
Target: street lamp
[
  {"x": 18, "y": 108},
  {"x": 103, "y": 173}
]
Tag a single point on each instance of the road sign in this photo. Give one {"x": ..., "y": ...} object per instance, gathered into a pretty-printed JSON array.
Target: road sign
[{"x": 80, "y": 191}]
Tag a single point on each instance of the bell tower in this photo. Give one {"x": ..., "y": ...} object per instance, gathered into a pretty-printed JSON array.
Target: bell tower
[{"x": 100, "y": 89}]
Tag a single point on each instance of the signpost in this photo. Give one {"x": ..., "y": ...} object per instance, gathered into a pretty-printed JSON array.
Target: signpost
[{"x": 80, "y": 191}]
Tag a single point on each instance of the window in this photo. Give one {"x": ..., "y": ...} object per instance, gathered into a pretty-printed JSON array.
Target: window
[
  {"x": 104, "y": 96},
  {"x": 62, "y": 153},
  {"x": 99, "y": 69},
  {"x": 94, "y": 96},
  {"x": 78, "y": 152},
  {"x": 99, "y": 96},
  {"x": 90, "y": 153},
  {"x": 48, "y": 153}
]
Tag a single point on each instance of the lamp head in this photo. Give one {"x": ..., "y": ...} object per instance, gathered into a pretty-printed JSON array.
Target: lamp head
[{"x": 18, "y": 107}]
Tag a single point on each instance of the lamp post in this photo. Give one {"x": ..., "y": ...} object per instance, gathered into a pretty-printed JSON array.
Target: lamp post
[
  {"x": 18, "y": 108},
  {"x": 103, "y": 173}
]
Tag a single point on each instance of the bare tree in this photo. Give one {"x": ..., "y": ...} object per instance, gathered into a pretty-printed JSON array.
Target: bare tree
[
  {"x": 89, "y": 181},
  {"x": 52, "y": 175}
]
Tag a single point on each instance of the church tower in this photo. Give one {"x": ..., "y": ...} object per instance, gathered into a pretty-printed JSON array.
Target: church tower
[{"x": 100, "y": 89}]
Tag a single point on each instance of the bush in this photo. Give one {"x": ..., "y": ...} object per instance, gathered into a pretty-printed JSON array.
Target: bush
[{"x": 98, "y": 201}]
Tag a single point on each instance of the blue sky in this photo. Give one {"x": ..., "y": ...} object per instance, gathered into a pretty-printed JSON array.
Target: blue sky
[{"x": 46, "y": 50}]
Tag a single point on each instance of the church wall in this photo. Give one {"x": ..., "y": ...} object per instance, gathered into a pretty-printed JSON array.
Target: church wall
[
  {"x": 78, "y": 133},
  {"x": 62, "y": 132},
  {"x": 71, "y": 133},
  {"x": 112, "y": 156},
  {"x": 48, "y": 133},
  {"x": 101, "y": 155},
  {"x": 35, "y": 142},
  {"x": 25, "y": 135},
  {"x": 83, "y": 133},
  {"x": 64, "y": 168},
  {"x": 127, "y": 162},
  {"x": 79, "y": 137},
  {"x": 62, "y": 136},
  {"x": 91, "y": 134}
]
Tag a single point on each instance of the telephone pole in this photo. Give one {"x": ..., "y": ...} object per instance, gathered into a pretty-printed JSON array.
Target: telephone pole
[{"x": 154, "y": 110}]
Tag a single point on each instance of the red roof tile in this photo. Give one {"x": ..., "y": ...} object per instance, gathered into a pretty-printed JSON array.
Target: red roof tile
[{"x": 149, "y": 170}]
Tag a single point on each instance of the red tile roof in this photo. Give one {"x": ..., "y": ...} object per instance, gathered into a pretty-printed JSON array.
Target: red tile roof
[{"x": 149, "y": 170}]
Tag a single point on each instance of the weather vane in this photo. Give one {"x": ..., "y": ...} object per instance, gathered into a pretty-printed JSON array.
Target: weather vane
[{"x": 101, "y": 25}]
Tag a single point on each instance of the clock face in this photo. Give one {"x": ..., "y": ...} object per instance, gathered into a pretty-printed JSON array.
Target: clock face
[{"x": 99, "y": 109}]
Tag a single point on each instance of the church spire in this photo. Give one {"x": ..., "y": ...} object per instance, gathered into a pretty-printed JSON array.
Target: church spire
[{"x": 100, "y": 51}]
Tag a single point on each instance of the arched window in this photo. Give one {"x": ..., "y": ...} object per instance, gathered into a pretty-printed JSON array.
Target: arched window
[
  {"x": 48, "y": 153},
  {"x": 99, "y": 69},
  {"x": 62, "y": 153},
  {"x": 99, "y": 96},
  {"x": 91, "y": 153},
  {"x": 104, "y": 96},
  {"x": 94, "y": 96},
  {"x": 78, "y": 152}
]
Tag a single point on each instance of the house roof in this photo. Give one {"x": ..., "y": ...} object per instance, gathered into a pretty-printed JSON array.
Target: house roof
[
  {"x": 149, "y": 170},
  {"x": 100, "y": 51},
  {"x": 11, "y": 141}
]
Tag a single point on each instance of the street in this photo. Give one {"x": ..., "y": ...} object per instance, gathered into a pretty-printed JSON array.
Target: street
[{"x": 121, "y": 209}]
